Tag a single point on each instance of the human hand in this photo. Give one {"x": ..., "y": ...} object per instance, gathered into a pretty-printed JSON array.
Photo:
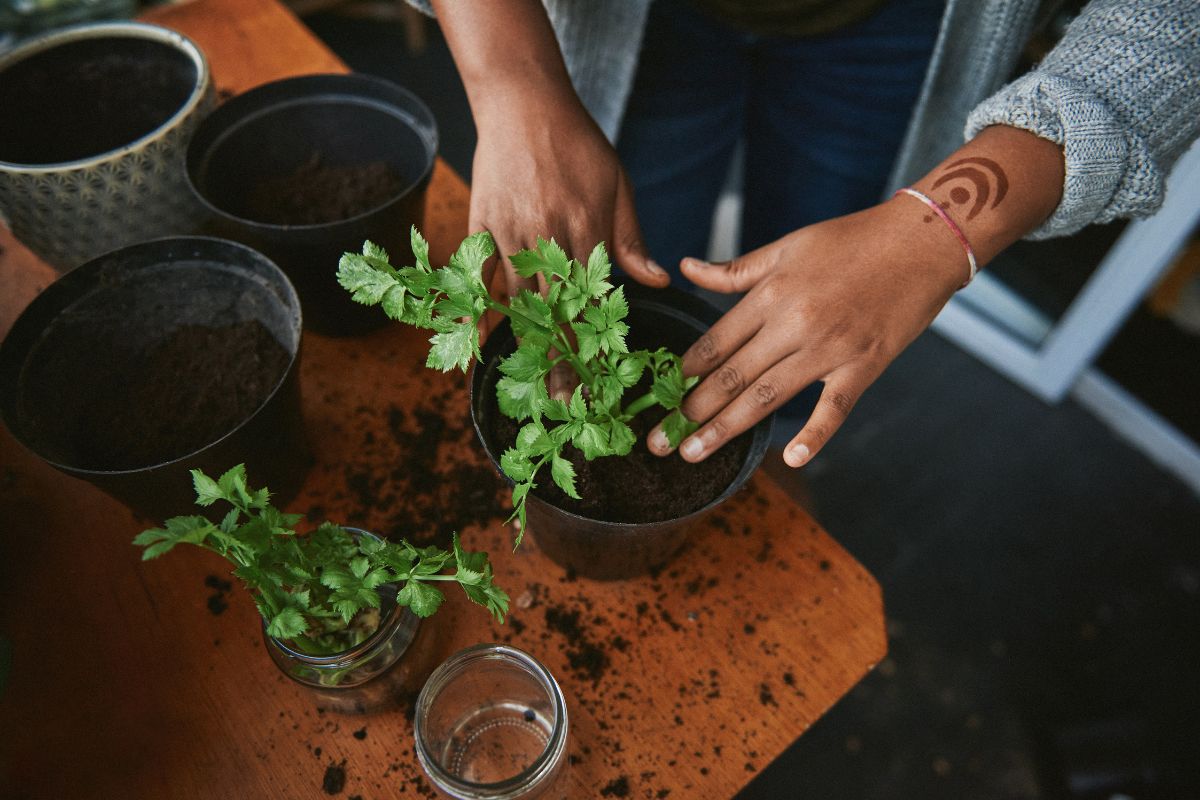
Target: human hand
[
  {"x": 553, "y": 174},
  {"x": 833, "y": 302},
  {"x": 571, "y": 188}
]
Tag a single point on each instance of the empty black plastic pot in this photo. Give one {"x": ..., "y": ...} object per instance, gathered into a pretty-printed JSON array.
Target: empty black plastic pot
[
  {"x": 598, "y": 548},
  {"x": 155, "y": 359},
  {"x": 307, "y": 168}
]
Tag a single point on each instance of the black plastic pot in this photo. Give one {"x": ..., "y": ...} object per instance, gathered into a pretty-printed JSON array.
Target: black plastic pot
[
  {"x": 249, "y": 148},
  {"x": 75, "y": 364},
  {"x": 597, "y": 548}
]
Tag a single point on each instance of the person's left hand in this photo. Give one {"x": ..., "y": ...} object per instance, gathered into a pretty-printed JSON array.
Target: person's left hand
[{"x": 833, "y": 302}]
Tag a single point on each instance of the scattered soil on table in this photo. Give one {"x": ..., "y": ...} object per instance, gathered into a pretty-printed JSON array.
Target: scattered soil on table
[
  {"x": 146, "y": 406},
  {"x": 639, "y": 487},
  {"x": 335, "y": 779},
  {"x": 406, "y": 485},
  {"x": 316, "y": 193},
  {"x": 588, "y": 659},
  {"x": 89, "y": 97}
]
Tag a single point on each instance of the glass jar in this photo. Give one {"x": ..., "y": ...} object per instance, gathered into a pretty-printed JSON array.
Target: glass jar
[
  {"x": 491, "y": 724},
  {"x": 366, "y": 677}
]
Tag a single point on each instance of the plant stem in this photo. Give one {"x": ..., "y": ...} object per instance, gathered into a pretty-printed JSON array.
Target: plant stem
[
  {"x": 572, "y": 357},
  {"x": 638, "y": 406}
]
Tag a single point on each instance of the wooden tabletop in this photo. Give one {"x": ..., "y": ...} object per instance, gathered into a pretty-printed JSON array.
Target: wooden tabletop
[{"x": 144, "y": 680}]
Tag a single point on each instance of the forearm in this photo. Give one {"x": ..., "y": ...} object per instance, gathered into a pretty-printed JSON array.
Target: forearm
[
  {"x": 1119, "y": 94},
  {"x": 996, "y": 188},
  {"x": 507, "y": 55}
]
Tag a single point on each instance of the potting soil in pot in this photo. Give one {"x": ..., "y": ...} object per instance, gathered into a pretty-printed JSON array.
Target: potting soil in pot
[
  {"x": 89, "y": 97},
  {"x": 639, "y": 487},
  {"x": 149, "y": 403},
  {"x": 317, "y": 193}
]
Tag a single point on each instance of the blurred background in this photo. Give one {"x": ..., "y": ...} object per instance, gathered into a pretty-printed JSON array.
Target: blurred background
[{"x": 1031, "y": 509}]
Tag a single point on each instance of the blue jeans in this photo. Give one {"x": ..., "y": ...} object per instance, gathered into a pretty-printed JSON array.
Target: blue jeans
[{"x": 821, "y": 119}]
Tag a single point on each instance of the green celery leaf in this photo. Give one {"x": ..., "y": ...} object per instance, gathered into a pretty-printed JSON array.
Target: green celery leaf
[
  {"x": 598, "y": 271},
  {"x": 375, "y": 254},
  {"x": 470, "y": 257},
  {"x": 393, "y": 302},
  {"x": 621, "y": 438},
  {"x": 520, "y": 399},
  {"x": 366, "y": 283},
  {"x": 531, "y": 317},
  {"x": 668, "y": 386},
  {"x": 207, "y": 490},
  {"x": 454, "y": 348},
  {"x": 563, "y": 474},
  {"x": 547, "y": 258},
  {"x": 337, "y": 577},
  {"x": 587, "y": 339},
  {"x": 628, "y": 368},
  {"x": 554, "y": 410},
  {"x": 516, "y": 465},
  {"x": 420, "y": 249},
  {"x": 287, "y": 624},
  {"x": 527, "y": 363},
  {"x": 592, "y": 440},
  {"x": 233, "y": 485},
  {"x": 422, "y": 598},
  {"x": 472, "y": 568},
  {"x": 578, "y": 408},
  {"x": 533, "y": 440},
  {"x": 677, "y": 427}
]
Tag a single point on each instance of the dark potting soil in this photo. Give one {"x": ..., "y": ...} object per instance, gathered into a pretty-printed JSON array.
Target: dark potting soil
[
  {"x": 174, "y": 396},
  {"x": 89, "y": 97},
  {"x": 317, "y": 193},
  {"x": 639, "y": 487}
]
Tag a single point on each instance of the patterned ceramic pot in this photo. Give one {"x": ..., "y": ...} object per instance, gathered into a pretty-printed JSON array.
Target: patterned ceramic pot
[{"x": 97, "y": 119}]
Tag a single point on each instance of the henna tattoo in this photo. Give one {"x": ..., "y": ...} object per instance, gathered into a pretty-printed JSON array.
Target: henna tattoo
[{"x": 983, "y": 181}]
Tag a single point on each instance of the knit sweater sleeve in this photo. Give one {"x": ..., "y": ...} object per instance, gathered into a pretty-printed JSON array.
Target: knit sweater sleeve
[{"x": 1121, "y": 94}]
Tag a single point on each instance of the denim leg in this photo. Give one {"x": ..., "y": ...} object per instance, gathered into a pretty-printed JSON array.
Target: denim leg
[
  {"x": 681, "y": 126},
  {"x": 826, "y": 115}
]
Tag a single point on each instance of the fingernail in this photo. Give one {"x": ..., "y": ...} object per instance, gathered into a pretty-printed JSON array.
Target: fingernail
[
  {"x": 692, "y": 448},
  {"x": 797, "y": 455},
  {"x": 696, "y": 262},
  {"x": 653, "y": 266},
  {"x": 659, "y": 441}
]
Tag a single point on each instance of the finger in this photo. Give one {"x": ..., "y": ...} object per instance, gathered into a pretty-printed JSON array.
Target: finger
[
  {"x": 629, "y": 249},
  {"x": 562, "y": 382},
  {"x": 737, "y": 275},
  {"x": 837, "y": 400},
  {"x": 771, "y": 390},
  {"x": 738, "y": 374},
  {"x": 724, "y": 338}
]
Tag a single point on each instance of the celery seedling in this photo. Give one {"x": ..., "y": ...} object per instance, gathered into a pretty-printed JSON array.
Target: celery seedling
[
  {"x": 320, "y": 591},
  {"x": 452, "y": 299}
]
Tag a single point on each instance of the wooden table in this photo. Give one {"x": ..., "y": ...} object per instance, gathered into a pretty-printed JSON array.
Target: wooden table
[{"x": 136, "y": 680}]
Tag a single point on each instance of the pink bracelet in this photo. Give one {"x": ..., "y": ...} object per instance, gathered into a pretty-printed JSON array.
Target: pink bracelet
[{"x": 957, "y": 231}]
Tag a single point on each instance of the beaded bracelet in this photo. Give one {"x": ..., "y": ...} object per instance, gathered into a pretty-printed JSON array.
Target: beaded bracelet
[{"x": 957, "y": 231}]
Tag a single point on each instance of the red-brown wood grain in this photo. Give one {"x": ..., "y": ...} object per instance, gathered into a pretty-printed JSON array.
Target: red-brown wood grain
[{"x": 125, "y": 683}]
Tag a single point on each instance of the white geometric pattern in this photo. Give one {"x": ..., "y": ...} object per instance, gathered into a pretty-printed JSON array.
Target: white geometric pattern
[{"x": 68, "y": 216}]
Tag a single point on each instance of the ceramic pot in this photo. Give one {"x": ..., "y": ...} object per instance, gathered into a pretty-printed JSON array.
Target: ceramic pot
[
  {"x": 307, "y": 168},
  {"x": 156, "y": 359},
  {"x": 599, "y": 548},
  {"x": 97, "y": 121}
]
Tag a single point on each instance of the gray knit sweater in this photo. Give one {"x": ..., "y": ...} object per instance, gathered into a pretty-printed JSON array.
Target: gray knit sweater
[{"x": 1120, "y": 92}]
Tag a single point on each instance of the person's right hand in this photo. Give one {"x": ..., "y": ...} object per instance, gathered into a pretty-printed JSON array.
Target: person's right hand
[{"x": 554, "y": 175}]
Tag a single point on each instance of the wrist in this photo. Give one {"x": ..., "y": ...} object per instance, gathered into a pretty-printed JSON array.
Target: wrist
[{"x": 997, "y": 188}]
